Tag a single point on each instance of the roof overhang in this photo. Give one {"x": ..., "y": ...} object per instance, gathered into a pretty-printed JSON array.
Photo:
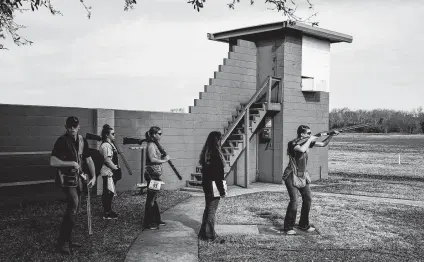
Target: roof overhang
[{"x": 331, "y": 36}]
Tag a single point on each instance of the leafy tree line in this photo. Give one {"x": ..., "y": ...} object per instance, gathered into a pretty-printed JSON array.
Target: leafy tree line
[
  {"x": 393, "y": 121},
  {"x": 10, "y": 28}
]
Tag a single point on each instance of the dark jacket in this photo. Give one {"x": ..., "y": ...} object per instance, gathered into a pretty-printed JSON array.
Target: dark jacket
[{"x": 213, "y": 171}]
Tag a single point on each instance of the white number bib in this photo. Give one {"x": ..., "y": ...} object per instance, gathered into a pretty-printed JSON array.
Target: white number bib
[
  {"x": 215, "y": 189},
  {"x": 155, "y": 185}
]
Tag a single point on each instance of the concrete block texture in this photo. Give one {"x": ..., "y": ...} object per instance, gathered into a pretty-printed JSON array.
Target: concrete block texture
[
  {"x": 245, "y": 43},
  {"x": 242, "y": 97},
  {"x": 235, "y": 77},
  {"x": 242, "y": 57},
  {"x": 240, "y": 63},
  {"x": 232, "y": 83},
  {"x": 244, "y": 50},
  {"x": 237, "y": 70},
  {"x": 228, "y": 90}
]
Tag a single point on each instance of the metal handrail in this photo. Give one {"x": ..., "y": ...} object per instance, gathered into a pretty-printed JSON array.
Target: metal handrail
[{"x": 268, "y": 82}]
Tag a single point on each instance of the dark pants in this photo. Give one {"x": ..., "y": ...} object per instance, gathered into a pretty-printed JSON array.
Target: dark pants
[
  {"x": 290, "y": 218},
  {"x": 107, "y": 196},
  {"x": 73, "y": 195},
  {"x": 151, "y": 211},
  {"x": 207, "y": 229}
]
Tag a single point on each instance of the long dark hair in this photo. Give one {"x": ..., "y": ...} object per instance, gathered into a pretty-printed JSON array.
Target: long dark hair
[
  {"x": 211, "y": 144},
  {"x": 152, "y": 131},
  {"x": 106, "y": 131}
]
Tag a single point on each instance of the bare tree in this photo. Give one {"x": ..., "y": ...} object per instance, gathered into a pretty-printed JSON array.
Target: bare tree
[
  {"x": 8, "y": 9},
  {"x": 178, "y": 110},
  {"x": 393, "y": 120}
]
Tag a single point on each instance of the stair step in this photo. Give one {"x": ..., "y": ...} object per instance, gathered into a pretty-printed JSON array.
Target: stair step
[
  {"x": 229, "y": 147},
  {"x": 253, "y": 117},
  {"x": 257, "y": 105},
  {"x": 234, "y": 141},
  {"x": 193, "y": 183},
  {"x": 196, "y": 176},
  {"x": 256, "y": 110},
  {"x": 235, "y": 136},
  {"x": 228, "y": 154}
]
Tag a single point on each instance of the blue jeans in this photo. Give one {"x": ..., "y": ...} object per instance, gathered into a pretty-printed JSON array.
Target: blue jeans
[
  {"x": 107, "y": 196},
  {"x": 291, "y": 213},
  {"x": 207, "y": 229},
  {"x": 73, "y": 196},
  {"x": 151, "y": 212}
]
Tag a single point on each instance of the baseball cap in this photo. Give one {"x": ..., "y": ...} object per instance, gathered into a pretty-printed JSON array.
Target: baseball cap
[{"x": 72, "y": 121}]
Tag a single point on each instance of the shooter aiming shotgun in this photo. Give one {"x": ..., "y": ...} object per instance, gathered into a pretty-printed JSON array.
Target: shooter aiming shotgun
[
  {"x": 132, "y": 140},
  {"x": 348, "y": 128}
]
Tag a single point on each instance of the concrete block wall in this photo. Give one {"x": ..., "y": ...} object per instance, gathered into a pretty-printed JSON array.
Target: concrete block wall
[
  {"x": 180, "y": 140},
  {"x": 33, "y": 129},
  {"x": 232, "y": 85},
  {"x": 101, "y": 117},
  {"x": 310, "y": 108}
]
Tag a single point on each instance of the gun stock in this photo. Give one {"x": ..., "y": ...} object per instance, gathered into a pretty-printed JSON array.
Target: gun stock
[
  {"x": 132, "y": 141},
  {"x": 95, "y": 137}
]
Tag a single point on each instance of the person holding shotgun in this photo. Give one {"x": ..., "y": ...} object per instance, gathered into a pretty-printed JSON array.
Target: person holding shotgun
[
  {"x": 68, "y": 154},
  {"x": 110, "y": 171},
  {"x": 154, "y": 161},
  {"x": 296, "y": 178}
]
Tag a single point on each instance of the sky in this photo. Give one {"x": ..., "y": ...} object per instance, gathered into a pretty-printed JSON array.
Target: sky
[{"x": 157, "y": 56}]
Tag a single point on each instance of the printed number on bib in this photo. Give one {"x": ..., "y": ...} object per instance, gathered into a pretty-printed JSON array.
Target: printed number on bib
[{"x": 155, "y": 185}]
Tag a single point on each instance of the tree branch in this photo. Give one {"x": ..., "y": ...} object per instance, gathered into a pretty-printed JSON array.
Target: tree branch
[{"x": 8, "y": 8}]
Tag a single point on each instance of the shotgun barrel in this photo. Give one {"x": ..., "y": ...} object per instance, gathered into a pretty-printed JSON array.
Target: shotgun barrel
[
  {"x": 162, "y": 151},
  {"x": 99, "y": 138}
]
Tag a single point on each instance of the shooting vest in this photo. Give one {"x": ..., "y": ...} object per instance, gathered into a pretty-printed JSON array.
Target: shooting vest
[
  {"x": 69, "y": 176},
  {"x": 114, "y": 160}
]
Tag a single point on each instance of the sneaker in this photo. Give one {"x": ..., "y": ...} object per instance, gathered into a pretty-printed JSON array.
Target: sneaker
[
  {"x": 110, "y": 215},
  {"x": 113, "y": 215},
  {"x": 290, "y": 232},
  {"x": 308, "y": 229},
  {"x": 162, "y": 223},
  {"x": 153, "y": 227},
  {"x": 75, "y": 244},
  {"x": 64, "y": 248}
]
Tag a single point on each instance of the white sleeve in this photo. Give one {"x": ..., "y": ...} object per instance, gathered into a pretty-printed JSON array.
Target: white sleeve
[{"x": 106, "y": 150}]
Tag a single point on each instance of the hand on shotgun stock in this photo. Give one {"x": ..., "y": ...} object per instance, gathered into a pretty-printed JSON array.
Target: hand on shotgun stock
[{"x": 76, "y": 165}]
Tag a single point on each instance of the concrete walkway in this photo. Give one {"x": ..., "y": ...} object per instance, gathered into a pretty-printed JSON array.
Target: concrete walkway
[{"x": 177, "y": 241}]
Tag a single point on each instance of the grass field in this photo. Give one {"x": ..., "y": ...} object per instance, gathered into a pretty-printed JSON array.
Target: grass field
[
  {"x": 349, "y": 229},
  {"x": 30, "y": 233},
  {"x": 377, "y": 155}
]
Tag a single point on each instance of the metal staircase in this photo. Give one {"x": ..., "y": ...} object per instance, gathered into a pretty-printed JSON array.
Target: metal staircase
[{"x": 243, "y": 127}]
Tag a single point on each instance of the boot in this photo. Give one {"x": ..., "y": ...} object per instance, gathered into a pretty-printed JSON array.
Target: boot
[{"x": 64, "y": 248}]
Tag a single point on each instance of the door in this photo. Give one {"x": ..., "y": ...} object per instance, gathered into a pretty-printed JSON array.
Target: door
[{"x": 265, "y": 67}]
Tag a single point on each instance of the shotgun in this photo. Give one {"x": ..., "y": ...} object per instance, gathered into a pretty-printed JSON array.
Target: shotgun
[
  {"x": 131, "y": 140},
  {"x": 162, "y": 151},
  {"x": 99, "y": 138},
  {"x": 330, "y": 133}
]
